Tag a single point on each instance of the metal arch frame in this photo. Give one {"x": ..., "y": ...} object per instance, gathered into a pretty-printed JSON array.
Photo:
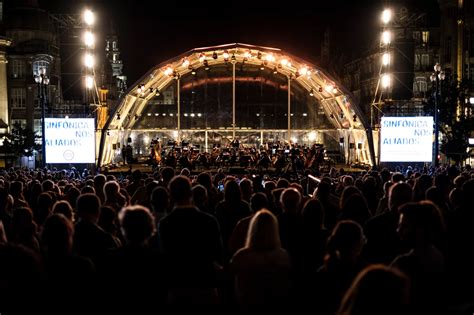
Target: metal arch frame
[{"x": 335, "y": 101}]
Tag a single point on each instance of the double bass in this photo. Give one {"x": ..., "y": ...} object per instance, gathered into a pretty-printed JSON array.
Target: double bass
[{"x": 156, "y": 151}]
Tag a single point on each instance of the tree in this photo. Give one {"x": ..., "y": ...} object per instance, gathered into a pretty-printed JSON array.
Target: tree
[
  {"x": 453, "y": 125},
  {"x": 23, "y": 141}
]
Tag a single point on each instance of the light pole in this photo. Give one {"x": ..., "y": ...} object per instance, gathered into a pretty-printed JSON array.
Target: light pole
[
  {"x": 42, "y": 80},
  {"x": 435, "y": 78}
]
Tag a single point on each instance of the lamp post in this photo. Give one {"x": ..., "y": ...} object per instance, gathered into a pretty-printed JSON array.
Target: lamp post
[
  {"x": 42, "y": 81},
  {"x": 435, "y": 78}
]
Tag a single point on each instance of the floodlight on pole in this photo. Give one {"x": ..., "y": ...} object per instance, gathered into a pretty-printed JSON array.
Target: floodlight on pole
[
  {"x": 386, "y": 16},
  {"x": 88, "y": 17}
]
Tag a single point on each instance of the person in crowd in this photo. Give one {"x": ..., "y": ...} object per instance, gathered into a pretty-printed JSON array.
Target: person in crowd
[
  {"x": 262, "y": 267},
  {"x": 191, "y": 242},
  {"x": 90, "y": 240},
  {"x": 366, "y": 296},
  {"x": 341, "y": 265},
  {"x": 63, "y": 207}
]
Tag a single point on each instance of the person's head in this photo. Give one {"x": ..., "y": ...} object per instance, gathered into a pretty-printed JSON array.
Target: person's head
[
  {"x": 313, "y": 213},
  {"x": 87, "y": 190},
  {"x": 205, "y": 180},
  {"x": 283, "y": 183},
  {"x": 421, "y": 223},
  {"x": 246, "y": 187},
  {"x": 48, "y": 185},
  {"x": 137, "y": 224},
  {"x": 263, "y": 233},
  {"x": 232, "y": 191},
  {"x": 346, "y": 193},
  {"x": 365, "y": 295},
  {"x": 185, "y": 172},
  {"x": 347, "y": 180},
  {"x": 57, "y": 235},
  {"x": 180, "y": 190},
  {"x": 107, "y": 219},
  {"x": 16, "y": 189},
  {"x": 167, "y": 173},
  {"x": 160, "y": 199},
  {"x": 399, "y": 194},
  {"x": 111, "y": 190},
  {"x": 63, "y": 207},
  {"x": 88, "y": 208},
  {"x": 290, "y": 200},
  {"x": 258, "y": 201},
  {"x": 199, "y": 195},
  {"x": 345, "y": 242},
  {"x": 45, "y": 205},
  {"x": 99, "y": 181}
]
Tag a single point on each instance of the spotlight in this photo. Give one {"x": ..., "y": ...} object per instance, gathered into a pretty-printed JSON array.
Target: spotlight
[
  {"x": 311, "y": 93},
  {"x": 259, "y": 55},
  {"x": 185, "y": 62},
  {"x": 214, "y": 55},
  {"x": 233, "y": 57},
  {"x": 341, "y": 115},
  {"x": 202, "y": 57},
  {"x": 275, "y": 71},
  {"x": 118, "y": 116},
  {"x": 206, "y": 65},
  {"x": 225, "y": 55},
  {"x": 193, "y": 72},
  {"x": 320, "y": 89},
  {"x": 169, "y": 71},
  {"x": 354, "y": 118},
  {"x": 247, "y": 55},
  {"x": 262, "y": 67}
]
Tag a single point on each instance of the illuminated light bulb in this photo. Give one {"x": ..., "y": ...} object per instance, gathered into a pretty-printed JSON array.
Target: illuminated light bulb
[
  {"x": 169, "y": 71},
  {"x": 185, "y": 62},
  {"x": 386, "y": 16}
]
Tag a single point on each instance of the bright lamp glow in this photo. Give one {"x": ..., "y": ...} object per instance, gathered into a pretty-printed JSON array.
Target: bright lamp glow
[
  {"x": 303, "y": 70},
  {"x": 329, "y": 88},
  {"x": 284, "y": 62},
  {"x": 312, "y": 136},
  {"x": 89, "y": 17},
  {"x": 89, "y": 39},
  {"x": 169, "y": 71},
  {"x": 386, "y": 16},
  {"x": 471, "y": 100},
  {"x": 270, "y": 57},
  {"x": 386, "y": 37},
  {"x": 386, "y": 80},
  {"x": 294, "y": 140},
  {"x": 89, "y": 61},
  {"x": 386, "y": 59},
  {"x": 185, "y": 62},
  {"x": 89, "y": 82},
  {"x": 225, "y": 55}
]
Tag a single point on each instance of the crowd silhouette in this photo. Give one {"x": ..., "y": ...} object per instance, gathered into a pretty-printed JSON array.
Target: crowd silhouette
[{"x": 373, "y": 242}]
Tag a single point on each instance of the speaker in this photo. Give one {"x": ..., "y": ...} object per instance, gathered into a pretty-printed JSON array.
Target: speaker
[
  {"x": 341, "y": 140},
  {"x": 351, "y": 145},
  {"x": 402, "y": 68},
  {"x": 114, "y": 146},
  {"x": 129, "y": 140},
  {"x": 359, "y": 146}
]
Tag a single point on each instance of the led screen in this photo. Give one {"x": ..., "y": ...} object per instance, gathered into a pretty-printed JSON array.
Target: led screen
[
  {"x": 406, "y": 139},
  {"x": 70, "y": 140}
]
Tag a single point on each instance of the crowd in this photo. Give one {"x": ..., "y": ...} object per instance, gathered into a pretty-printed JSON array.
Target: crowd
[{"x": 378, "y": 242}]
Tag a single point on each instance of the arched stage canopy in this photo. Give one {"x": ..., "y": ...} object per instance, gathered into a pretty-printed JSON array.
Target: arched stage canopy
[{"x": 258, "y": 94}]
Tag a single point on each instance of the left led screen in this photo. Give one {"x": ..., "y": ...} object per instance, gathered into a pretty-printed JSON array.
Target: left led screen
[{"x": 70, "y": 140}]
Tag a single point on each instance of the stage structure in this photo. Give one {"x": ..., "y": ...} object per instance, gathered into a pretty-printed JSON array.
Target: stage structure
[{"x": 258, "y": 95}]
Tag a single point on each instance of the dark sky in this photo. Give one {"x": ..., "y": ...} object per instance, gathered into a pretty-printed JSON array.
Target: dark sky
[{"x": 153, "y": 31}]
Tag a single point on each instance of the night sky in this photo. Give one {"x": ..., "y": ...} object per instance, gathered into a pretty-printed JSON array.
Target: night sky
[{"x": 151, "y": 32}]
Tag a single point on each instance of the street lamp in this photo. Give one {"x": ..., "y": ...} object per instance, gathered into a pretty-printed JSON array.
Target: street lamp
[
  {"x": 435, "y": 78},
  {"x": 42, "y": 80}
]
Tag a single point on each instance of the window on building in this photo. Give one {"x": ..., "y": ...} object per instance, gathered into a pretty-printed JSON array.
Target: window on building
[
  {"x": 416, "y": 36},
  {"x": 425, "y": 36},
  {"x": 17, "y": 68},
  {"x": 425, "y": 61},
  {"x": 40, "y": 64},
  {"x": 417, "y": 61},
  {"x": 420, "y": 85},
  {"x": 15, "y": 123},
  {"x": 18, "y": 98},
  {"x": 37, "y": 127}
]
